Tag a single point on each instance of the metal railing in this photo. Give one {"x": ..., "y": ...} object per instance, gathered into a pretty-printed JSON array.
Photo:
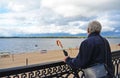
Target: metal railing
[{"x": 56, "y": 69}]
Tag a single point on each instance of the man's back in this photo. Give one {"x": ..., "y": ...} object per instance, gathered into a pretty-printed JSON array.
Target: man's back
[{"x": 94, "y": 49}]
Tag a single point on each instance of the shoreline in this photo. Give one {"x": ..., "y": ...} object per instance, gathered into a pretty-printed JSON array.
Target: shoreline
[
  {"x": 54, "y": 37},
  {"x": 22, "y": 59}
]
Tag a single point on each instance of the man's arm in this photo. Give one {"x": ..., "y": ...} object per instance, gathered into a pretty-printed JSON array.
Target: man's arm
[{"x": 82, "y": 58}]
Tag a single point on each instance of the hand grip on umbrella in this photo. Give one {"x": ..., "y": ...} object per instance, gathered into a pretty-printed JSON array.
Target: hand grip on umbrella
[{"x": 65, "y": 53}]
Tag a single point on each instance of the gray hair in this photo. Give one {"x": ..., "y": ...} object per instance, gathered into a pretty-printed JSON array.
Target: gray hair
[{"x": 94, "y": 26}]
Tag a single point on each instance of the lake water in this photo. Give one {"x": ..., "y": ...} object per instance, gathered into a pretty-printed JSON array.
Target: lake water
[{"x": 19, "y": 45}]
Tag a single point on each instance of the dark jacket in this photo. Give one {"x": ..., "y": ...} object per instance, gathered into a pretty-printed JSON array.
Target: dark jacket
[{"x": 92, "y": 51}]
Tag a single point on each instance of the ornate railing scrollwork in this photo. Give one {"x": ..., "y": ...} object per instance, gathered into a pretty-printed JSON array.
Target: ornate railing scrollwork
[
  {"x": 116, "y": 62},
  {"x": 56, "y": 69}
]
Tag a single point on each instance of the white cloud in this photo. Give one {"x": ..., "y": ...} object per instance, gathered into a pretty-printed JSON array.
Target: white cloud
[
  {"x": 69, "y": 8},
  {"x": 56, "y": 16},
  {"x": 16, "y": 7},
  {"x": 16, "y": 19},
  {"x": 75, "y": 30},
  {"x": 19, "y": 5},
  {"x": 107, "y": 24}
]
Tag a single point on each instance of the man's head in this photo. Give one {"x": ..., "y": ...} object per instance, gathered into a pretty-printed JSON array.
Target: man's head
[{"x": 94, "y": 26}]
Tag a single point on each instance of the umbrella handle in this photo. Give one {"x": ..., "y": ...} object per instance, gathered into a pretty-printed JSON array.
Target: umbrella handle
[{"x": 61, "y": 46}]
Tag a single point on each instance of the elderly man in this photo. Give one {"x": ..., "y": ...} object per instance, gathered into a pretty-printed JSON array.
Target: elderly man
[{"x": 93, "y": 51}]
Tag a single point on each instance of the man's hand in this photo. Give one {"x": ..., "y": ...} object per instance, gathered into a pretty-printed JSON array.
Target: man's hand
[
  {"x": 66, "y": 55},
  {"x": 65, "y": 58}
]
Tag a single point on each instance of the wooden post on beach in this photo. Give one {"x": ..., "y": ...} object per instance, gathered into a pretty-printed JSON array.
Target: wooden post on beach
[
  {"x": 118, "y": 46},
  {"x": 26, "y": 61}
]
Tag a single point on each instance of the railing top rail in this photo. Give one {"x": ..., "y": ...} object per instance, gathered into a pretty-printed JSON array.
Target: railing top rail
[
  {"x": 29, "y": 68},
  {"x": 115, "y": 54},
  {"x": 21, "y": 69}
]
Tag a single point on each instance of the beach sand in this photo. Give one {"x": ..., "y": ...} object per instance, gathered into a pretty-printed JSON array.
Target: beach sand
[{"x": 23, "y": 59}]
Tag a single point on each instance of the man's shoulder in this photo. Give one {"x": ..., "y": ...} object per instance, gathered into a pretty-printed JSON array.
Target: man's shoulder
[
  {"x": 86, "y": 41},
  {"x": 89, "y": 41}
]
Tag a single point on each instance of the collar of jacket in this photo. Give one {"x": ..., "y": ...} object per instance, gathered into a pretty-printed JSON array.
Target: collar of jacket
[{"x": 93, "y": 34}]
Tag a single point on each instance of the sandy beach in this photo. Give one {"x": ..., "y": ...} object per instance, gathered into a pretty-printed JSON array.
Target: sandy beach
[{"x": 22, "y": 59}]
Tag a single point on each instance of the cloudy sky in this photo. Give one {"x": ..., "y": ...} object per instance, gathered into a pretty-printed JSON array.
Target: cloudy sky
[{"x": 57, "y": 16}]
